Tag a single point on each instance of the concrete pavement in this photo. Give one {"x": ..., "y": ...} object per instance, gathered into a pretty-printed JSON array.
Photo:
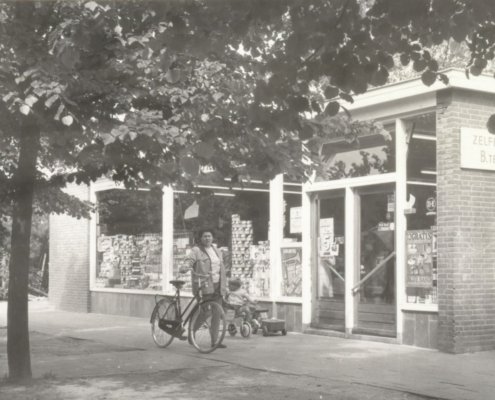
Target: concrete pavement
[{"x": 73, "y": 345}]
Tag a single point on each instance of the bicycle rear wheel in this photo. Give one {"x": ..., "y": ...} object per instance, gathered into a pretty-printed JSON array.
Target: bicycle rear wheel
[
  {"x": 164, "y": 309},
  {"x": 207, "y": 327}
]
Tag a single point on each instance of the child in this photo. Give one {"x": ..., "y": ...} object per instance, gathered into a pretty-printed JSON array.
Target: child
[{"x": 239, "y": 300}]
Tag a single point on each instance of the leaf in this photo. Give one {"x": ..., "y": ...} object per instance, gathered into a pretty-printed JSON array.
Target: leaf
[
  {"x": 347, "y": 97},
  {"x": 428, "y": 77},
  {"x": 476, "y": 70},
  {"x": 331, "y": 92},
  {"x": 190, "y": 166},
  {"x": 405, "y": 59},
  {"x": 217, "y": 96},
  {"x": 92, "y": 5},
  {"x": 173, "y": 131},
  {"x": 166, "y": 60},
  {"x": 31, "y": 100},
  {"x": 8, "y": 96},
  {"x": 107, "y": 138},
  {"x": 332, "y": 108},
  {"x": 444, "y": 78},
  {"x": 173, "y": 76},
  {"x": 419, "y": 65},
  {"x": 204, "y": 150}
]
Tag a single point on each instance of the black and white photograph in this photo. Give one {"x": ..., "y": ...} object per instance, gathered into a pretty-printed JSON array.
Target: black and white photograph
[{"x": 247, "y": 199}]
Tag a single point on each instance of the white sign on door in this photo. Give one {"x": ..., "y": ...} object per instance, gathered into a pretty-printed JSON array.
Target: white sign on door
[{"x": 477, "y": 149}]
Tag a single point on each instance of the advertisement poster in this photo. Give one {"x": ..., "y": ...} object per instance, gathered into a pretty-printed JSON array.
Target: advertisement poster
[
  {"x": 295, "y": 220},
  {"x": 291, "y": 271},
  {"x": 419, "y": 258},
  {"x": 326, "y": 237}
]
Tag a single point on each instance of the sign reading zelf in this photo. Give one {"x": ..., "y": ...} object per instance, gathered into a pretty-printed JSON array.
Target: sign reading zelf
[{"x": 477, "y": 149}]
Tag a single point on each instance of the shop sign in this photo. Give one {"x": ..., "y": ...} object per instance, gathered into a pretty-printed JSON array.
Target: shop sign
[
  {"x": 419, "y": 258},
  {"x": 296, "y": 220},
  {"x": 477, "y": 149}
]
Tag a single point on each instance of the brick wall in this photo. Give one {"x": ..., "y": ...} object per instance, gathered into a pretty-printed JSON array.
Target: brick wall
[
  {"x": 69, "y": 258},
  {"x": 466, "y": 229}
]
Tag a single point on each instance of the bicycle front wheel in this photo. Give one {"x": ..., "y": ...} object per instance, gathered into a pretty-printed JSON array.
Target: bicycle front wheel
[
  {"x": 207, "y": 327},
  {"x": 164, "y": 310}
]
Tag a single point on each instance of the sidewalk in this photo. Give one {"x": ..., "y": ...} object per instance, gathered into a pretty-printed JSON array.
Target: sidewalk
[{"x": 73, "y": 345}]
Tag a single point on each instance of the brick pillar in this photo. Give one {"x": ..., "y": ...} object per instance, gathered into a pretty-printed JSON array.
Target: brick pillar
[
  {"x": 69, "y": 258},
  {"x": 466, "y": 229}
]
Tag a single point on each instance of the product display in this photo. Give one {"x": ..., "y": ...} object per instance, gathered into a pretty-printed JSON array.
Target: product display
[
  {"x": 130, "y": 261},
  {"x": 250, "y": 263},
  {"x": 183, "y": 242}
]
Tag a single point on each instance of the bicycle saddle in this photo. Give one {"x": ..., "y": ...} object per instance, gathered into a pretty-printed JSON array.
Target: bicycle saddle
[{"x": 177, "y": 283}]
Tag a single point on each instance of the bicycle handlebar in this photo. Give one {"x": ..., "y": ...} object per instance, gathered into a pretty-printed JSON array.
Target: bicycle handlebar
[{"x": 200, "y": 275}]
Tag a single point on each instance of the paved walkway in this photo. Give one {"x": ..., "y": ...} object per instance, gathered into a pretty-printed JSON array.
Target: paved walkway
[{"x": 73, "y": 345}]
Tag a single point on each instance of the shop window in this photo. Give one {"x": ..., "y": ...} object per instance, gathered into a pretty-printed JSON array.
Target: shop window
[
  {"x": 239, "y": 220},
  {"x": 421, "y": 268},
  {"x": 368, "y": 154},
  {"x": 291, "y": 251},
  {"x": 129, "y": 240}
]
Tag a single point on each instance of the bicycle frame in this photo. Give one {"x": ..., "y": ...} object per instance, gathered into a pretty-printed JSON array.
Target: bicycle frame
[{"x": 197, "y": 300}]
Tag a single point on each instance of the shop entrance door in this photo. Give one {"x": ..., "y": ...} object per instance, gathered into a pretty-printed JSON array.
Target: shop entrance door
[
  {"x": 329, "y": 301},
  {"x": 374, "y": 288}
]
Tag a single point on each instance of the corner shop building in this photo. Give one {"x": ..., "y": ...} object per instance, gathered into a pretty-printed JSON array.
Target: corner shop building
[{"x": 396, "y": 245}]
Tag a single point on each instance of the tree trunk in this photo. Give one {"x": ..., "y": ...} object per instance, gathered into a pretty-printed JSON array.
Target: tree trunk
[{"x": 18, "y": 351}]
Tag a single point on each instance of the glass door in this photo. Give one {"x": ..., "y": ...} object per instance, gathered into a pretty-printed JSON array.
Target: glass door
[
  {"x": 329, "y": 304},
  {"x": 374, "y": 289}
]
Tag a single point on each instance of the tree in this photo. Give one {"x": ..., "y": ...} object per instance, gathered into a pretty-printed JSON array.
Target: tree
[{"x": 148, "y": 92}]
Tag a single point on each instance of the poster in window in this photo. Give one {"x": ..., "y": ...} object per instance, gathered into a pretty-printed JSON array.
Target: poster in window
[
  {"x": 419, "y": 258},
  {"x": 291, "y": 271},
  {"x": 295, "y": 219},
  {"x": 326, "y": 236}
]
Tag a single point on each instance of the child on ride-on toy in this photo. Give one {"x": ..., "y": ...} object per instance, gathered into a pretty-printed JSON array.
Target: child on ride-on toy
[{"x": 238, "y": 299}]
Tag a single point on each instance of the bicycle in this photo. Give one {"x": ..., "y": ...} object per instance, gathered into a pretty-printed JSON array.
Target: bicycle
[{"x": 206, "y": 319}]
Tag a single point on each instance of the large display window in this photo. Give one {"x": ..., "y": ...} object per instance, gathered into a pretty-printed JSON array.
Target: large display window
[
  {"x": 129, "y": 241},
  {"x": 421, "y": 255},
  {"x": 239, "y": 220}
]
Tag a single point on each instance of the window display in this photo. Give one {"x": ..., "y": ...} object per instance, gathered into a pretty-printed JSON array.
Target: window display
[
  {"x": 239, "y": 220},
  {"x": 129, "y": 241},
  {"x": 421, "y": 259}
]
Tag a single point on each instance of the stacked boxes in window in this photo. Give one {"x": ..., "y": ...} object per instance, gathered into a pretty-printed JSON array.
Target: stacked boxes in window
[{"x": 242, "y": 239}]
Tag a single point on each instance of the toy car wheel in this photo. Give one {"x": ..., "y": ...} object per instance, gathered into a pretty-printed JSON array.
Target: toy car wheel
[
  {"x": 245, "y": 329},
  {"x": 232, "y": 329},
  {"x": 284, "y": 332},
  {"x": 265, "y": 330}
]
